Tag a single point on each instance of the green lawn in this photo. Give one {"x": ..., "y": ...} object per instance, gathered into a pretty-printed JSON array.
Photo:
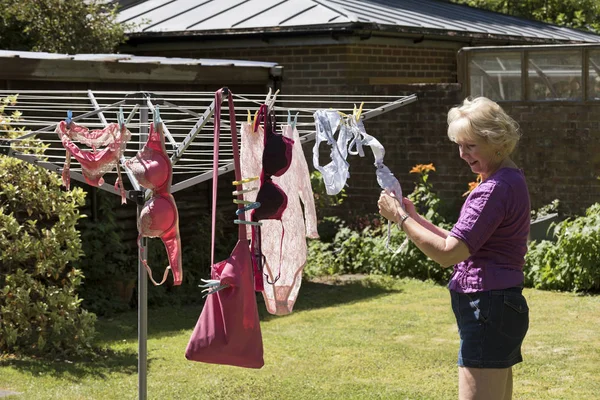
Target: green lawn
[{"x": 371, "y": 339}]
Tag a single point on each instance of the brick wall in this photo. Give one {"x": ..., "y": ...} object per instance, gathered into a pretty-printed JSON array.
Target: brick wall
[
  {"x": 336, "y": 68},
  {"x": 560, "y": 150}
]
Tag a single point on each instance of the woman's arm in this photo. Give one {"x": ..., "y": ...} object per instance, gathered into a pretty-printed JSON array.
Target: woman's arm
[
  {"x": 434, "y": 242},
  {"x": 441, "y": 232},
  {"x": 412, "y": 211}
]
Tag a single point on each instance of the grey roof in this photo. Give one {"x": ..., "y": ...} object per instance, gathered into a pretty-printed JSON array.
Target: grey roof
[
  {"x": 128, "y": 58},
  {"x": 413, "y": 16}
]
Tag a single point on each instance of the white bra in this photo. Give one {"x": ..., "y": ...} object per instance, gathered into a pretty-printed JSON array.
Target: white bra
[{"x": 335, "y": 173}]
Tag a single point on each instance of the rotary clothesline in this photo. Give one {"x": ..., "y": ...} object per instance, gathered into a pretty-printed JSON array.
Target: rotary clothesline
[
  {"x": 43, "y": 109},
  {"x": 187, "y": 119}
]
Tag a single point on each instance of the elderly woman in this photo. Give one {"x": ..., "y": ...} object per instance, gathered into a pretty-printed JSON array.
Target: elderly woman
[{"x": 486, "y": 246}]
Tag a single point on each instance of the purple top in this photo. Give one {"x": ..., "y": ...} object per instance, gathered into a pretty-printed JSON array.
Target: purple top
[{"x": 494, "y": 224}]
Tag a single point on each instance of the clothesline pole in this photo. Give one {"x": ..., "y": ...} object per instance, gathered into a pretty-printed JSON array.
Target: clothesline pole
[{"x": 142, "y": 285}]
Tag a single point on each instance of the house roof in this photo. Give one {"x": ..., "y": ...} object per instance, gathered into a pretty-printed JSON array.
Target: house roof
[
  {"x": 131, "y": 59},
  {"x": 118, "y": 67},
  {"x": 433, "y": 17}
]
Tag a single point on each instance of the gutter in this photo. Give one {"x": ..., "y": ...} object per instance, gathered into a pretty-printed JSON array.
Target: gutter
[{"x": 348, "y": 28}]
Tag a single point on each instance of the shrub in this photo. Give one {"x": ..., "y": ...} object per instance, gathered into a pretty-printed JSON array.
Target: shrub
[
  {"x": 362, "y": 248},
  {"x": 40, "y": 312},
  {"x": 573, "y": 261}
]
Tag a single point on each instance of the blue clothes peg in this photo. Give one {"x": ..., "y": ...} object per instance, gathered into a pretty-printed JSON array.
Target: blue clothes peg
[
  {"x": 294, "y": 122},
  {"x": 156, "y": 115},
  {"x": 69, "y": 118}
]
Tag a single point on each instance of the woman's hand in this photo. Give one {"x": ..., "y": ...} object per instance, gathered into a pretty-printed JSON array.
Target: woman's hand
[
  {"x": 409, "y": 207},
  {"x": 389, "y": 206}
]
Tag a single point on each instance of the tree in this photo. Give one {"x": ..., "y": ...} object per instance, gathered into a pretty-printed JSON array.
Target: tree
[
  {"x": 577, "y": 14},
  {"x": 60, "y": 26}
]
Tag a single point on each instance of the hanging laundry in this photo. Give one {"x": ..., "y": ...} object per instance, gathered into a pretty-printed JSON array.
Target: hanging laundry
[
  {"x": 335, "y": 173},
  {"x": 284, "y": 254},
  {"x": 94, "y": 163},
  {"x": 351, "y": 139},
  {"x": 228, "y": 329},
  {"x": 159, "y": 217}
]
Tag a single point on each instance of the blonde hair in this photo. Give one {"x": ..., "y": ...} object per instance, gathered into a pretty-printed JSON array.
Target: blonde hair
[{"x": 484, "y": 119}]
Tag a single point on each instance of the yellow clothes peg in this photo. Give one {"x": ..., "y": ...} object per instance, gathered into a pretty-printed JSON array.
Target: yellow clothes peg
[
  {"x": 244, "y": 202},
  {"x": 249, "y": 117},
  {"x": 357, "y": 113},
  {"x": 245, "y": 180}
]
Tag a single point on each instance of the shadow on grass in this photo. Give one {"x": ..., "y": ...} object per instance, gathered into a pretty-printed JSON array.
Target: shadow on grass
[
  {"x": 166, "y": 322},
  {"x": 105, "y": 362},
  {"x": 332, "y": 292}
]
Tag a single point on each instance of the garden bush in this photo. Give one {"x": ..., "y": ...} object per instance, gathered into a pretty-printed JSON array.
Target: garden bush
[
  {"x": 40, "y": 312},
  {"x": 572, "y": 262},
  {"x": 362, "y": 247}
]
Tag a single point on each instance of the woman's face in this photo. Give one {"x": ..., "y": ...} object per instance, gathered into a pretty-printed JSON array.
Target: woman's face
[{"x": 479, "y": 154}]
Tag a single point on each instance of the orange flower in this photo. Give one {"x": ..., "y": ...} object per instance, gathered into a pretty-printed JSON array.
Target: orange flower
[
  {"x": 420, "y": 168},
  {"x": 473, "y": 185}
]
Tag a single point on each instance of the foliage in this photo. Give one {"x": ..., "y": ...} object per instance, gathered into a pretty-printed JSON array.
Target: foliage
[
  {"x": 323, "y": 201},
  {"x": 548, "y": 209},
  {"x": 426, "y": 201},
  {"x": 40, "y": 312},
  {"x": 195, "y": 259},
  {"x": 61, "y": 26},
  {"x": 578, "y": 14},
  {"x": 108, "y": 263},
  {"x": 573, "y": 262},
  {"x": 365, "y": 249}
]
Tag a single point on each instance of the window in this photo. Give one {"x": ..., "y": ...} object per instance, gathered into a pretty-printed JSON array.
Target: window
[
  {"x": 568, "y": 73},
  {"x": 555, "y": 75},
  {"x": 496, "y": 76}
]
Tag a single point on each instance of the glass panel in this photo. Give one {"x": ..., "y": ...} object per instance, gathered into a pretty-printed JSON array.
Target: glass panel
[
  {"x": 594, "y": 81},
  {"x": 496, "y": 75},
  {"x": 555, "y": 75}
]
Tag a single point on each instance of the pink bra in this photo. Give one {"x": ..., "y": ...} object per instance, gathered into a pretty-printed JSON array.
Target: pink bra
[{"x": 159, "y": 217}]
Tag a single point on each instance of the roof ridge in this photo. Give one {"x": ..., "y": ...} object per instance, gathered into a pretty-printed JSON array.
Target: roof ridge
[{"x": 325, "y": 3}]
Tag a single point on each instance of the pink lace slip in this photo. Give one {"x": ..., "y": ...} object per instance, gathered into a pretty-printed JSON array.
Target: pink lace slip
[
  {"x": 281, "y": 296},
  {"x": 94, "y": 164}
]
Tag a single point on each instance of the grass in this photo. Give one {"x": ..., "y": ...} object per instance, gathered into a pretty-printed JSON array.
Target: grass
[{"x": 376, "y": 338}]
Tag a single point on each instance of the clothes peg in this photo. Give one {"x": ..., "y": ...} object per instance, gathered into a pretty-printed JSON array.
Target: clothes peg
[
  {"x": 244, "y": 202},
  {"x": 268, "y": 96},
  {"x": 69, "y": 118},
  {"x": 294, "y": 122},
  {"x": 238, "y": 192},
  {"x": 212, "y": 286},
  {"x": 271, "y": 101},
  {"x": 249, "y": 117},
  {"x": 121, "y": 118},
  {"x": 251, "y": 206},
  {"x": 157, "y": 119},
  {"x": 245, "y": 180},
  {"x": 244, "y": 222},
  {"x": 357, "y": 113}
]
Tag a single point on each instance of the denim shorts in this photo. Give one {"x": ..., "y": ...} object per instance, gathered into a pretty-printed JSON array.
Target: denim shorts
[{"x": 492, "y": 326}]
